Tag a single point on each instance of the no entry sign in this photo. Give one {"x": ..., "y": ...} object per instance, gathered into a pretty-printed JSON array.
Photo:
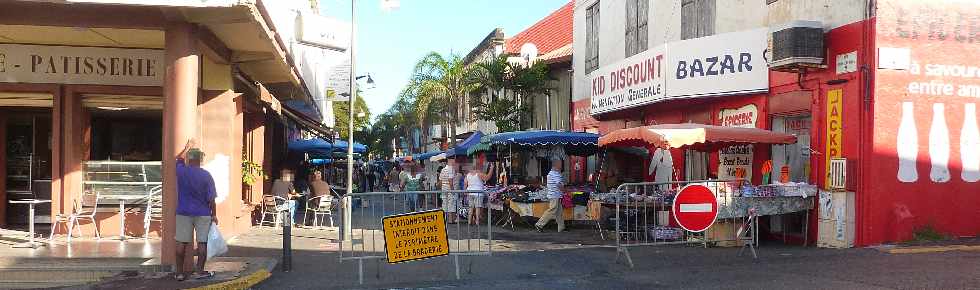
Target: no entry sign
[{"x": 695, "y": 208}]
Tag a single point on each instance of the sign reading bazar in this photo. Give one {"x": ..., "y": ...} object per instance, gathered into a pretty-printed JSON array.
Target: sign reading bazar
[
  {"x": 80, "y": 65},
  {"x": 718, "y": 65},
  {"x": 415, "y": 236}
]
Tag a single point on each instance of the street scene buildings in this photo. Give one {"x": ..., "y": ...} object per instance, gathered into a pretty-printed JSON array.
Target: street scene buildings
[{"x": 649, "y": 143}]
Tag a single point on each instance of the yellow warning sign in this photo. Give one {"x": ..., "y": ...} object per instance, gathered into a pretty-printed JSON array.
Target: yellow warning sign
[{"x": 414, "y": 236}]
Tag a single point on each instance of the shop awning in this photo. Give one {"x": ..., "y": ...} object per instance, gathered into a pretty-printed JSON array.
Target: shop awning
[
  {"x": 341, "y": 145},
  {"x": 426, "y": 155},
  {"x": 464, "y": 146},
  {"x": 311, "y": 145},
  {"x": 320, "y": 146},
  {"x": 689, "y": 134},
  {"x": 545, "y": 137}
]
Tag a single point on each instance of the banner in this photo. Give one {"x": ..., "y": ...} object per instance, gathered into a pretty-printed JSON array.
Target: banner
[
  {"x": 718, "y": 65},
  {"x": 80, "y": 65}
]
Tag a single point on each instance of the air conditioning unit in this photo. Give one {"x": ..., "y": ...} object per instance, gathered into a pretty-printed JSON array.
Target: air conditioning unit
[
  {"x": 796, "y": 46},
  {"x": 320, "y": 31},
  {"x": 837, "y": 174}
]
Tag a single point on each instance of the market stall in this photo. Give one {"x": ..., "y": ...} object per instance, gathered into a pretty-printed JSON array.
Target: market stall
[
  {"x": 525, "y": 155},
  {"x": 739, "y": 195}
]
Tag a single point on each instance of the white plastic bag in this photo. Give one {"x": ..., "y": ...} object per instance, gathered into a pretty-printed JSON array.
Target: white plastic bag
[{"x": 216, "y": 243}]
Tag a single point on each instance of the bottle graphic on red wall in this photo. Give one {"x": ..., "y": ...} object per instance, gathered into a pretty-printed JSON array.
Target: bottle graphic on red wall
[
  {"x": 939, "y": 145},
  {"x": 970, "y": 144},
  {"x": 908, "y": 145}
]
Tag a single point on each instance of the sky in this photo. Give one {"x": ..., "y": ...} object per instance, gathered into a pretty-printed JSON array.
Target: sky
[{"x": 389, "y": 43}]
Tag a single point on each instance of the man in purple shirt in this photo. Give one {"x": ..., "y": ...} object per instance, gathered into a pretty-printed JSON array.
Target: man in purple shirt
[{"x": 195, "y": 209}]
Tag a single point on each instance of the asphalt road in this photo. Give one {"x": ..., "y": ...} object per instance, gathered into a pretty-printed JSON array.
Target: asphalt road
[{"x": 544, "y": 261}]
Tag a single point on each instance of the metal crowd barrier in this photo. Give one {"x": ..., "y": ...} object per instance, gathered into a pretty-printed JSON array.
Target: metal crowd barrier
[
  {"x": 643, "y": 215},
  {"x": 366, "y": 237}
]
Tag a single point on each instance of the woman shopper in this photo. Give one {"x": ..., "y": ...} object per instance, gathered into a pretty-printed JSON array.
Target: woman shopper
[
  {"x": 475, "y": 180},
  {"x": 413, "y": 182}
]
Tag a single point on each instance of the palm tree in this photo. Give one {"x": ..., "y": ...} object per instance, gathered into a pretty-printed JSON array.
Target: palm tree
[
  {"x": 444, "y": 80},
  {"x": 498, "y": 76}
]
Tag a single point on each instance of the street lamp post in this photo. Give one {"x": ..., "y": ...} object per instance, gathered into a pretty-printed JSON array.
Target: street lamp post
[{"x": 350, "y": 123}]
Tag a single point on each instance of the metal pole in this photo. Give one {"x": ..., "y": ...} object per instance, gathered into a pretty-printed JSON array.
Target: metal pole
[
  {"x": 287, "y": 241},
  {"x": 350, "y": 121}
]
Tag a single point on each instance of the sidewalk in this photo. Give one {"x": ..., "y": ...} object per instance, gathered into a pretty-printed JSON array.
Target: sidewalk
[{"x": 230, "y": 273}]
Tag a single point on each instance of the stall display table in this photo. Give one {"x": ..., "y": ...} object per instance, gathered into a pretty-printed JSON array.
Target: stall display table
[{"x": 738, "y": 207}]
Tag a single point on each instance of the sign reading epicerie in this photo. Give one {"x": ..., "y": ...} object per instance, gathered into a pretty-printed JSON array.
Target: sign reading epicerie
[
  {"x": 723, "y": 64},
  {"x": 80, "y": 65}
]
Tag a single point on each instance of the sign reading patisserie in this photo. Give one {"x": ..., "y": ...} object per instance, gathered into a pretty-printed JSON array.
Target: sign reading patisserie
[
  {"x": 80, "y": 65},
  {"x": 718, "y": 65}
]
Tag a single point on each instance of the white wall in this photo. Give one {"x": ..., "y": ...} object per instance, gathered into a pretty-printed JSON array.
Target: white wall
[{"x": 665, "y": 22}]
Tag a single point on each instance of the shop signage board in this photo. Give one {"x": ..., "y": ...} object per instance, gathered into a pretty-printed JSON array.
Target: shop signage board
[
  {"x": 733, "y": 158},
  {"x": 834, "y": 129},
  {"x": 21, "y": 63},
  {"x": 415, "y": 236},
  {"x": 718, "y": 65},
  {"x": 695, "y": 208}
]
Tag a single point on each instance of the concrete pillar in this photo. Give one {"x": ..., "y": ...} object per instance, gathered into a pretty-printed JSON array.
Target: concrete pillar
[{"x": 180, "y": 90}]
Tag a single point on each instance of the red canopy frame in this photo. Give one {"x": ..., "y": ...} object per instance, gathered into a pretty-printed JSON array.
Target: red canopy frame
[{"x": 692, "y": 136}]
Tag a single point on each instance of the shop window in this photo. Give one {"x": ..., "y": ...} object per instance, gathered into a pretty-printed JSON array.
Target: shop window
[
  {"x": 697, "y": 18},
  {"x": 636, "y": 26},
  {"x": 592, "y": 38},
  {"x": 695, "y": 165},
  {"x": 795, "y": 156}
]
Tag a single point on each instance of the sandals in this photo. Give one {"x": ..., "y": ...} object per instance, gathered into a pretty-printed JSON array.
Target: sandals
[{"x": 203, "y": 275}]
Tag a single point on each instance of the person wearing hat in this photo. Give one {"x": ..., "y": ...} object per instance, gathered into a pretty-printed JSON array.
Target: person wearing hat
[{"x": 196, "y": 209}]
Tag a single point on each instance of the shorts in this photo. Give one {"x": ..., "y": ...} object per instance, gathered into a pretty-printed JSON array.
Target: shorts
[
  {"x": 449, "y": 202},
  {"x": 475, "y": 200},
  {"x": 187, "y": 225}
]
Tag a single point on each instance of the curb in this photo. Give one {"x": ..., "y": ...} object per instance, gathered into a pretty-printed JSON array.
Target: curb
[
  {"x": 935, "y": 249},
  {"x": 244, "y": 282}
]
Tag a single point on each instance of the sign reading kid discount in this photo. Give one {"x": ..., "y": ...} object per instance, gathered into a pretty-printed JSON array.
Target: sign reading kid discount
[
  {"x": 718, "y": 65},
  {"x": 695, "y": 208},
  {"x": 415, "y": 236}
]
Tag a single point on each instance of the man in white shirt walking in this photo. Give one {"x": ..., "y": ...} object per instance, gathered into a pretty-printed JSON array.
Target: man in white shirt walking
[
  {"x": 555, "y": 188},
  {"x": 447, "y": 178}
]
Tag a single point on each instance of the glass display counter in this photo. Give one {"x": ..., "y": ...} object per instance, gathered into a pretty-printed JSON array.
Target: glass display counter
[{"x": 129, "y": 180}]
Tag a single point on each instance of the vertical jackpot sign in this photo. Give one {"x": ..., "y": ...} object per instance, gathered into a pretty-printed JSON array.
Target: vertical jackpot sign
[{"x": 834, "y": 130}]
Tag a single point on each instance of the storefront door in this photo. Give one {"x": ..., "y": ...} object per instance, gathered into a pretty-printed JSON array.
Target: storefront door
[{"x": 26, "y": 155}]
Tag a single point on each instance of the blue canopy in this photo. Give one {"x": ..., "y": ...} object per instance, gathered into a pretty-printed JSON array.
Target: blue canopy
[
  {"x": 545, "y": 137},
  {"x": 310, "y": 145},
  {"x": 341, "y": 145},
  {"x": 317, "y": 145},
  {"x": 462, "y": 147},
  {"x": 573, "y": 143},
  {"x": 425, "y": 156},
  {"x": 320, "y": 161}
]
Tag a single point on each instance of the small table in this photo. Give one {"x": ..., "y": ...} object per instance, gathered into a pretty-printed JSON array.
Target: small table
[
  {"x": 122, "y": 211},
  {"x": 30, "y": 203}
]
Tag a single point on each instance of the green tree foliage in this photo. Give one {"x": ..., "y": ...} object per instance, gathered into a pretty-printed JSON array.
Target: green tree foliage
[
  {"x": 511, "y": 87},
  {"x": 341, "y": 116}
]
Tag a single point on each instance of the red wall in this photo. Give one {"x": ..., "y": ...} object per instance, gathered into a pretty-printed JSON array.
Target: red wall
[{"x": 935, "y": 33}]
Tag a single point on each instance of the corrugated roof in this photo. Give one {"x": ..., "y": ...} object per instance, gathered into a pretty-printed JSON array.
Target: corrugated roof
[{"x": 549, "y": 34}]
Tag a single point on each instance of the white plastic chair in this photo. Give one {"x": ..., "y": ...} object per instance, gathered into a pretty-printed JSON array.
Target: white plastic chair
[
  {"x": 320, "y": 206},
  {"x": 154, "y": 210},
  {"x": 87, "y": 209},
  {"x": 272, "y": 206}
]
